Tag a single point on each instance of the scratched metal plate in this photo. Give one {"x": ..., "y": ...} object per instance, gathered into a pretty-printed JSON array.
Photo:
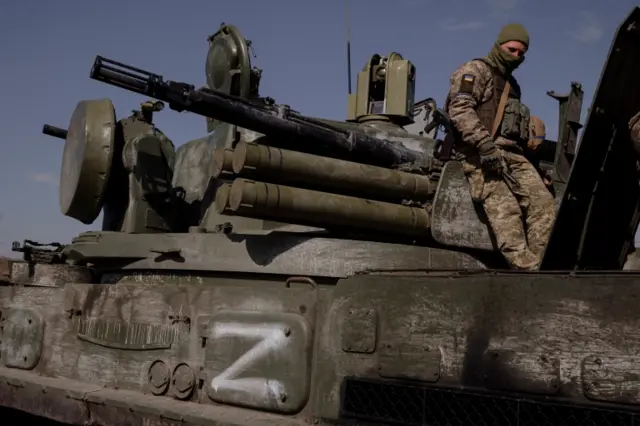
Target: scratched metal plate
[
  {"x": 612, "y": 377},
  {"x": 513, "y": 371},
  {"x": 22, "y": 335},
  {"x": 258, "y": 360},
  {"x": 455, "y": 217}
]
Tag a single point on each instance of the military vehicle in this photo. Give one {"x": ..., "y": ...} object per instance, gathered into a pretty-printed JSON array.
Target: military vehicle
[{"x": 292, "y": 270}]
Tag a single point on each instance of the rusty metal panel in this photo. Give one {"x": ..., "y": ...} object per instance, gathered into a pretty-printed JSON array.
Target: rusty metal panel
[{"x": 22, "y": 337}]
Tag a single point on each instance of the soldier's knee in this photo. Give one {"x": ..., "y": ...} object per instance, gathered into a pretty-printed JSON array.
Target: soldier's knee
[
  {"x": 503, "y": 209},
  {"x": 543, "y": 204}
]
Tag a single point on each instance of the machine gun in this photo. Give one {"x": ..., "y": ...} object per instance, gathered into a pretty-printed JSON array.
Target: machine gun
[{"x": 277, "y": 121}]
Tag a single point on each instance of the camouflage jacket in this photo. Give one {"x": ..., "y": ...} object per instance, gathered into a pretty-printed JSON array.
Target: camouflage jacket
[{"x": 471, "y": 85}]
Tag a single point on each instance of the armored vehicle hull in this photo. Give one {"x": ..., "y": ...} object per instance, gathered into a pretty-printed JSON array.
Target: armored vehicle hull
[
  {"x": 388, "y": 347},
  {"x": 256, "y": 321}
]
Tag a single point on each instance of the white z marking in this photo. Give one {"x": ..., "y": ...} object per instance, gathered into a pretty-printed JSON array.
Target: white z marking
[{"x": 272, "y": 340}]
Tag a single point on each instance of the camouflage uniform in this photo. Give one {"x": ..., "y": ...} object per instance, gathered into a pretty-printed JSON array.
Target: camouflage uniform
[
  {"x": 472, "y": 104},
  {"x": 537, "y": 135}
]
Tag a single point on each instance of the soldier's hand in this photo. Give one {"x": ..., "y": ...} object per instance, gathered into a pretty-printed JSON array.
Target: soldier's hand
[{"x": 490, "y": 157}]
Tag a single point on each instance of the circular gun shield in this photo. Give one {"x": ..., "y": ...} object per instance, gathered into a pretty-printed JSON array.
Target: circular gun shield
[
  {"x": 87, "y": 158},
  {"x": 228, "y": 59}
]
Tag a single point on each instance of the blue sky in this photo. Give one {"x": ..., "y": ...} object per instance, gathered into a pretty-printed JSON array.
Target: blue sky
[{"x": 47, "y": 49}]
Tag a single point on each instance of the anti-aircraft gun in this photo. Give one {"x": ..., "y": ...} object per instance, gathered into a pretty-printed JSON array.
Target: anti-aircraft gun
[
  {"x": 368, "y": 173},
  {"x": 295, "y": 270}
]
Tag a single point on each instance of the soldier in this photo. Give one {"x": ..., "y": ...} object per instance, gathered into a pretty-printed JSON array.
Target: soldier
[
  {"x": 537, "y": 135},
  {"x": 491, "y": 126}
]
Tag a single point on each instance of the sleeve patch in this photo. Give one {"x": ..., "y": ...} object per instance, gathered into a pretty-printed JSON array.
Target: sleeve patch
[{"x": 468, "y": 81}]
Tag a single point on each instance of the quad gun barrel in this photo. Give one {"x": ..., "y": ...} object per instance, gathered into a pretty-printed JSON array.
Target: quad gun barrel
[{"x": 277, "y": 121}]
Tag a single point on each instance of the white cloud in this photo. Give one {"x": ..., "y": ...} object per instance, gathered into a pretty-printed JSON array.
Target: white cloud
[
  {"x": 46, "y": 178},
  {"x": 588, "y": 28},
  {"x": 455, "y": 25}
]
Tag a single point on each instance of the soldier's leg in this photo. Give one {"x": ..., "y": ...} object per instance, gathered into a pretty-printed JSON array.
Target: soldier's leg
[
  {"x": 538, "y": 204},
  {"x": 505, "y": 216}
]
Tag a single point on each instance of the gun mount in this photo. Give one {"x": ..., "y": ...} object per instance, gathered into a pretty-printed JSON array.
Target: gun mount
[{"x": 281, "y": 271}]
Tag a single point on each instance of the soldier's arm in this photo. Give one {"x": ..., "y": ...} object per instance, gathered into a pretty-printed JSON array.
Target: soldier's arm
[{"x": 468, "y": 85}]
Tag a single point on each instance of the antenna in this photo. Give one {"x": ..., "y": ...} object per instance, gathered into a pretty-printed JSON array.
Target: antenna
[{"x": 348, "y": 46}]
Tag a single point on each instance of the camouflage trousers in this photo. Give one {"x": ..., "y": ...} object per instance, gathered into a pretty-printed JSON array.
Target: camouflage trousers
[{"x": 522, "y": 242}]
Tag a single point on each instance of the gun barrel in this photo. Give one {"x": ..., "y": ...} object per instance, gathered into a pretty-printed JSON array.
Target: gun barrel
[
  {"x": 124, "y": 76},
  {"x": 54, "y": 131},
  {"x": 273, "y": 121}
]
